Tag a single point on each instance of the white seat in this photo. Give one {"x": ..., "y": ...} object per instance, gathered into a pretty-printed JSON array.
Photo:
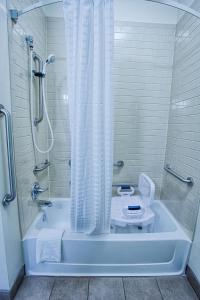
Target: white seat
[{"x": 135, "y": 210}]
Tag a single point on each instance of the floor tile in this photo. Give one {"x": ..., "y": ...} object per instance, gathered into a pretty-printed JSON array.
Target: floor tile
[
  {"x": 137, "y": 288},
  {"x": 35, "y": 288},
  {"x": 106, "y": 288},
  {"x": 70, "y": 288},
  {"x": 176, "y": 288}
]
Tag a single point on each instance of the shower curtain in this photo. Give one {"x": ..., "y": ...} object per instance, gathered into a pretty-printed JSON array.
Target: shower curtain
[{"x": 89, "y": 39}]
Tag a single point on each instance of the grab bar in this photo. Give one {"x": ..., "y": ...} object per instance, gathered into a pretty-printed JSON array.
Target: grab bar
[
  {"x": 41, "y": 167},
  {"x": 10, "y": 150},
  {"x": 39, "y": 74},
  {"x": 119, "y": 163},
  {"x": 188, "y": 180}
]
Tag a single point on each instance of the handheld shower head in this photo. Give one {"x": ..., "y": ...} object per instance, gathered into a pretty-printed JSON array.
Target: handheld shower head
[{"x": 51, "y": 58}]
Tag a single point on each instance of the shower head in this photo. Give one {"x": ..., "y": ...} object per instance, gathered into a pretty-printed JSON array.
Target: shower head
[{"x": 51, "y": 58}]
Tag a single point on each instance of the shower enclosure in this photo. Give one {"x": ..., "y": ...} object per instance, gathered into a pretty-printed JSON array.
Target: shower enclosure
[{"x": 156, "y": 120}]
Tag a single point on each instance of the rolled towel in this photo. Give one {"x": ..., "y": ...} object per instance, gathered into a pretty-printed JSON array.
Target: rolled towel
[{"x": 48, "y": 245}]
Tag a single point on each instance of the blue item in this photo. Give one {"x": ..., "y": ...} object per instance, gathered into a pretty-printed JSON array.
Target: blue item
[{"x": 134, "y": 207}]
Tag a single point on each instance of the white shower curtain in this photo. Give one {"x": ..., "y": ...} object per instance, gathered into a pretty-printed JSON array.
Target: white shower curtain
[{"x": 89, "y": 38}]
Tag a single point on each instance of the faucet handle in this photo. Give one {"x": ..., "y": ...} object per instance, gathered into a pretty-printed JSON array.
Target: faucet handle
[
  {"x": 41, "y": 190},
  {"x": 36, "y": 190}
]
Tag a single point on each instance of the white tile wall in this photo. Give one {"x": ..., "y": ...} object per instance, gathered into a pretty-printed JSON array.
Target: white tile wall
[
  {"x": 194, "y": 261},
  {"x": 183, "y": 144},
  {"x": 30, "y": 24},
  {"x": 59, "y": 174},
  {"x": 142, "y": 73}
]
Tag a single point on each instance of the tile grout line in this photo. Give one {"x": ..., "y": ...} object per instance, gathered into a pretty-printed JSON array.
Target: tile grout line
[
  {"x": 123, "y": 288},
  {"x": 159, "y": 289},
  {"x": 54, "y": 281},
  {"x": 88, "y": 288}
]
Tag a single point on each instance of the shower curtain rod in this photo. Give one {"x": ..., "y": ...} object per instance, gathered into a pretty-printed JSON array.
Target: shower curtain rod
[{"x": 15, "y": 14}]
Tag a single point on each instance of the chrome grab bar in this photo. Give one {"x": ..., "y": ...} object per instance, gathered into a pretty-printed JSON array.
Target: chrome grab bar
[
  {"x": 188, "y": 180},
  {"x": 118, "y": 164},
  {"x": 41, "y": 167},
  {"x": 10, "y": 150}
]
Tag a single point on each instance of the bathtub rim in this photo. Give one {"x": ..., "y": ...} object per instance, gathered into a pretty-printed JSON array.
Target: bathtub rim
[{"x": 177, "y": 234}]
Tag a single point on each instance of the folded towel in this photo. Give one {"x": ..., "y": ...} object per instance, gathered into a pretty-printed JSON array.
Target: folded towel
[{"x": 48, "y": 245}]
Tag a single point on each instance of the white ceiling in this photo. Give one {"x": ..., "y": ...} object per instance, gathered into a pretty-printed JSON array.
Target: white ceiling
[{"x": 133, "y": 10}]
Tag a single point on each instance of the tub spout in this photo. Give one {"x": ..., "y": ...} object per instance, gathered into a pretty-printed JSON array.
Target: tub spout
[{"x": 44, "y": 203}]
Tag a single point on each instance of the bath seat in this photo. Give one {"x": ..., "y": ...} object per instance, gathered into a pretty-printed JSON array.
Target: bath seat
[{"x": 134, "y": 210}]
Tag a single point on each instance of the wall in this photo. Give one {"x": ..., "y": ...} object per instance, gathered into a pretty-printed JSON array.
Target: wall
[
  {"x": 24, "y": 151},
  {"x": 183, "y": 144},
  {"x": 10, "y": 242},
  {"x": 59, "y": 174},
  {"x": 142, "y": 73},
  {"x": 194, "y": 261}
]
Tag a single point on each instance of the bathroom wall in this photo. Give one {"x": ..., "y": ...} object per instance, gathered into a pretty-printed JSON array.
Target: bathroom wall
[
  {"x": 59, "y": 173},
  {"x": 11, "y": 262},
  {"x": 183, "y": 144},
  {"x": 29, "y": 24},
  {"x": 194, "y": 261},
  {"x": 142, "y": 74}
]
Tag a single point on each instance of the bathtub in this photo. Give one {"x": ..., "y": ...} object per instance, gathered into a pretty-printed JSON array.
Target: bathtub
[{"x": 164, "y": 251}]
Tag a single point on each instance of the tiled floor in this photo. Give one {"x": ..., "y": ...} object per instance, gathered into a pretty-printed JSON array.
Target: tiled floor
[{"x": 105, "y": 288}]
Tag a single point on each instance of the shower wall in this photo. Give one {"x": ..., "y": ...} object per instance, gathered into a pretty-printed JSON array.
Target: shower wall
[
  {"x": 142, "y": 74},
  {"x": 183, "y": 144},
  {"x": 59, "y": 172},
  {"x": 24, "y": 154}
]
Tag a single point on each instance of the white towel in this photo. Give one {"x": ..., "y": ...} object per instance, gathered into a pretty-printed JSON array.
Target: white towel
[{"x": 48, "y": 245}]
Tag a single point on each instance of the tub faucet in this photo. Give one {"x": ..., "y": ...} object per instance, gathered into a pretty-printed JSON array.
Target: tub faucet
[{"x": 44, "y": 203}]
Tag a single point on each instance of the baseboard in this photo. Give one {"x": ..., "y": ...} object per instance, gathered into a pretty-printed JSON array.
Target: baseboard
[
  {"x": 9, "y": 295},
  {"x": 193, "y": 280}
]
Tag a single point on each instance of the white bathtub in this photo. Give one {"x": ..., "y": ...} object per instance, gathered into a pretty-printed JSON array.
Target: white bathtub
[{"x": 162, "y": 252}]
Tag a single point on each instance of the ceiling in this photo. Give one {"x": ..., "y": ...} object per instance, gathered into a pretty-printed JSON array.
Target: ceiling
[{"x": 133, "y": 10}]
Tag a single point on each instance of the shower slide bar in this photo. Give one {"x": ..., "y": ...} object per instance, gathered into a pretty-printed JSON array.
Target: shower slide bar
[
  {"x": 188, "y": 180},
  {"x": 15, "y": 14},
  {"x": 38, "y": 73},
  {"x": 9, "y": 197}
]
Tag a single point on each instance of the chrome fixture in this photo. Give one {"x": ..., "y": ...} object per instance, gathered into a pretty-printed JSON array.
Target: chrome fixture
[
  {"x": 39, "y": 73},
  {"x": 36, "y": 190},
  {"x": 44, "y": 203},
  {"x": 188, "y": 180},
  {"x": 41, "y": 167},
  {"x": 50, "y": 59},
  {"x": 15, "y": 14},
  {"x": 119, "y": 164},
  {"x": 29, "y": 41},
  {"x": 9, "y": 197}
]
